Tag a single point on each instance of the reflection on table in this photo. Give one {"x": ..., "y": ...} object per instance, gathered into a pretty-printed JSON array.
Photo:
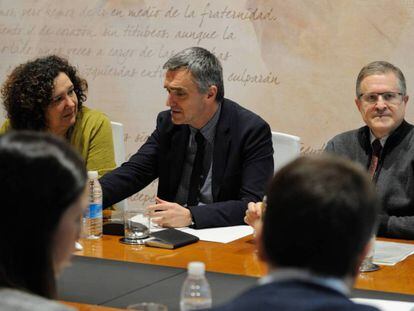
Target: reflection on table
[{"x": 238, "y": 257}]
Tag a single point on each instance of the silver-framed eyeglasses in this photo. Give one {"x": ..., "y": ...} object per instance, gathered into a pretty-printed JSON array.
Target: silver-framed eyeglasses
[{"x": 389, "y": 97}]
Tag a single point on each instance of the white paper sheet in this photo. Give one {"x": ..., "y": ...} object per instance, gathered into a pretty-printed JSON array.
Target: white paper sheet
[
  {"x": 390, "y": 253},
  {"x": 221, "y": 234},
  {"x": 386, "y": 305}
]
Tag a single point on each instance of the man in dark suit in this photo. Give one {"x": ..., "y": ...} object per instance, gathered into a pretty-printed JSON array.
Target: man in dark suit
[
  {"x": 321, "y": 213},
  {"x": 211, "y": 155}
]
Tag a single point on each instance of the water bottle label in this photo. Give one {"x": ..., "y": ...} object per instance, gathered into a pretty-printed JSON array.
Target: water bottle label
[{"x": 95, "y": 210}]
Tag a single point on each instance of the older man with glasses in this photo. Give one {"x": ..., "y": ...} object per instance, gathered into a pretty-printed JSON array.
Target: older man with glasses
[{"x": 385, "y": 146}]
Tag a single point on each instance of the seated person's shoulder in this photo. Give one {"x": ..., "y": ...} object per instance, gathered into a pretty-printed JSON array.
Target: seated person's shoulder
[
  {"x": 12, "y": 299},
  {"x": 343, "y": 140},
  {"x": 88, "y": 115},
  {"x": 90, "y": 122},
  {"x": 245, "y": 117},
  {"x": 164, "y": 117},
  {"x": 164, "y": 122},
  {"x": 5, "y": 127}
]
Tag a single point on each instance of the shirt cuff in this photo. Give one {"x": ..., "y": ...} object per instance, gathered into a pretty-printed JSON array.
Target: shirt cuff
[{"x": 383, "y": 224}]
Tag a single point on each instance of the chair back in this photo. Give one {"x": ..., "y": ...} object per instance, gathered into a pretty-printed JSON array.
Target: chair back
[
  {"x": 285, "y": 148},
  {"x": 119, "y": 151},
  {"x": 119, "y": 145}
]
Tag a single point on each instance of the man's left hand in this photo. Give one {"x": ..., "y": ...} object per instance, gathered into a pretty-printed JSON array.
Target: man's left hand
[{"x": 169, "y": 214}]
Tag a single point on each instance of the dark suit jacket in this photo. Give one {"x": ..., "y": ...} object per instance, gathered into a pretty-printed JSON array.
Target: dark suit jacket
[
  {"x": 242, "y": 165},
  {"x": 292, "y": 296}
]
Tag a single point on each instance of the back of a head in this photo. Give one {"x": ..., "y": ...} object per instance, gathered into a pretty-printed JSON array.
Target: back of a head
[
  {"x": 321, "y": 211},
  {"x": 40, "y": 177}
]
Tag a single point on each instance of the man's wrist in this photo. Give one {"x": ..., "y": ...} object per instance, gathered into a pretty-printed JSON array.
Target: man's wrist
[{"x": 191, "y": 220}]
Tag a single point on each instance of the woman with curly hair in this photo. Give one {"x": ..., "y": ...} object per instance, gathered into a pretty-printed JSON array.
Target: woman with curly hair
[{"x": 47, "y": 94}]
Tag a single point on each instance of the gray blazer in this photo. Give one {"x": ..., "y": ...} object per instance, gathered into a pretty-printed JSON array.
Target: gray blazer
[{"x": 394, "y": 181}]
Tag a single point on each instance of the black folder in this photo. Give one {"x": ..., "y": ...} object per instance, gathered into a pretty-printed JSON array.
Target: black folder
[
  {"x": 113, "y": 228},
  {"x": 171, "y": 239}
]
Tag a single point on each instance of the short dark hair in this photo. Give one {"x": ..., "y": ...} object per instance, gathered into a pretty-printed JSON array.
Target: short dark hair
[
  {"x": 41, "y": 176},
  {"x": 203, "y": 65},
  {"x": 380, "y": 67},
  {"x": 27, "y": 91},
  {"x": 321, "y": 212}
]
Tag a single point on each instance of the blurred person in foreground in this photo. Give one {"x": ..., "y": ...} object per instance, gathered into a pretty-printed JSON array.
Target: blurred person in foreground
[
  {"x": 43, "y": 193},
  {"x": 312, "y": 254},
  {"x": 384, "y": 146},
  {"x": 47, "y": 94}
]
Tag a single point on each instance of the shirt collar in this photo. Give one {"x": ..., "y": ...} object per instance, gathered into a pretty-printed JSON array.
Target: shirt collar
[
  {"x": 209, "y": 129},
  {"x": 382, "y": 140},
  {"x": 285, "y": 274}
]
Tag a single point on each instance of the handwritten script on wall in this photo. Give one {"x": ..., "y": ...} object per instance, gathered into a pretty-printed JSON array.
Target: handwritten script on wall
[{"x": 294, "y": 63}]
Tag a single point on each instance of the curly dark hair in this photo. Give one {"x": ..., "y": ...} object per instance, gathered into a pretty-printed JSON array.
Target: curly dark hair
[{"x": 28, "y": 90}]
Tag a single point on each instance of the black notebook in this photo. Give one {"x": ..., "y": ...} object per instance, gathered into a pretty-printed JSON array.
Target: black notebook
[
  {"x": 171, "y": 238},
  {"x": 113, "y": 228}
]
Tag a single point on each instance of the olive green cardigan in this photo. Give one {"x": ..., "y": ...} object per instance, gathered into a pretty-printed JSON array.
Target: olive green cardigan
[{"x": 92, "y": 137}]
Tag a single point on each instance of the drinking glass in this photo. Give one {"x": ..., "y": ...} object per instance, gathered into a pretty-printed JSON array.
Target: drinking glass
[
  {"x": 136, "y": 225},
  {"x": 368, "y": 265}
]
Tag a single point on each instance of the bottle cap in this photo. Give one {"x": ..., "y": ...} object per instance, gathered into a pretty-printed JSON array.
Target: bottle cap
[
  {"x": 196, "y": 268},
  {"x": 92, "y": 174}
]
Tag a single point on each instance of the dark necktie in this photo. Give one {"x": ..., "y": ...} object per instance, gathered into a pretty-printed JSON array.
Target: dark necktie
[
  {"x": 376, "y": 154},
  {"x": 197, "y": 172}
]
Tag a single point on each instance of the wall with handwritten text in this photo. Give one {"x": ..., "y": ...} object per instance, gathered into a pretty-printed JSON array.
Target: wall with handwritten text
[{"x": 292, "y": 62}]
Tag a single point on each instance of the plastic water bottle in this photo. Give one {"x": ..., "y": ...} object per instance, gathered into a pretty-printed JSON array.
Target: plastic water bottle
[
  {"x": 92, "y": 217},
  {"x": 195, "y": 293}
]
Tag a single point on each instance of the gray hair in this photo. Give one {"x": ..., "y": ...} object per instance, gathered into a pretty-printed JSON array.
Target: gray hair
[
  {"x": 203, "y": 65},
  {"x": 380, "y": 67}
]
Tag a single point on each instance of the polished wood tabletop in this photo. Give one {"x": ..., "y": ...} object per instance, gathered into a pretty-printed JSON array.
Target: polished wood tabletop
[
  {"x": 238, "y": 257},
  {"x": 395, "y": 279},
  {"x": 86, "y": 307}
]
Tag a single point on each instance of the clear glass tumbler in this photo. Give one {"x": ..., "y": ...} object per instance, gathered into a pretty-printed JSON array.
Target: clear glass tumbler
[
  {"x": 136, "y": 226},
  {"x": 368, "y": 265}
]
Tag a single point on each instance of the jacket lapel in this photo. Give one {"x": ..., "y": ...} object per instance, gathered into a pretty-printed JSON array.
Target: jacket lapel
[
  {"x": 176, "y": 158},
  {"x": 222, "y": 144},
  {"x": 397, "y": 136}
]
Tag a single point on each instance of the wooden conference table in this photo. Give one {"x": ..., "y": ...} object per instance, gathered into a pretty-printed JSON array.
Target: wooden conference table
[
  {"x": 86, "y": 307},
  {"x": 238, "y": 258}
]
